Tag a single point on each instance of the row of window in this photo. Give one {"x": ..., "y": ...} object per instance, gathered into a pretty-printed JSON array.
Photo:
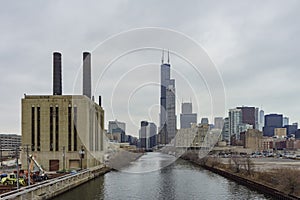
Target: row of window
[{"x": 54, "y": 130}]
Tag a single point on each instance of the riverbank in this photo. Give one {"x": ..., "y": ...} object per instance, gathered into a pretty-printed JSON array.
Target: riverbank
[
  {"x": 264, "y": 182},
  {"x": 122, "y": 159}
]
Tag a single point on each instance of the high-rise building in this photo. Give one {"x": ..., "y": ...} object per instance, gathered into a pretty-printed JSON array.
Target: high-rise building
[
  {"x": 261, "y": 120},
  {"x": 225, "y": 131},
  {"x": 285, "y": 121},
  {"x": 147, "y": 135},
  {"x": 118, "y": 135},
  {"x": 219, "y": 122},
  {"x": 249, "y": 116},
  {"x": 186, "y": 116},
  {"x": 186, "y": 108},
  {"x": 204, "y": 120},
  {"x": 167, "y": 128},
  {"x": 297, "y": 134},
  {"x": 272, "y": 121},
  {"x": 235, "y": 119},
  {"x": 116, "y": 125},
  {"x": 291, "y": 129},
  {"x": 171, "y": 111}
]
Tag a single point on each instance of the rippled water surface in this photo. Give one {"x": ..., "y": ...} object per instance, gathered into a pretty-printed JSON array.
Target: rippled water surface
[{"x": 144, "y": 179}]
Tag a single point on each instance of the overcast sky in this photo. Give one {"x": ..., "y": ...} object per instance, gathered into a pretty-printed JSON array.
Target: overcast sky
[{"x": 255, "y": 46}]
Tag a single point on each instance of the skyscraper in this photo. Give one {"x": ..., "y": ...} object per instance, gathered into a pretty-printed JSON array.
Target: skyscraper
[
  {"x": 167, "y": 104},
  {"x": 219, "y": 122},
  {"x": 261, "y": 119},
  {"x": 204, "y": 120},
  {"x": 186, "y": 116},
  {"x": 147, "y": 135},
  {"x": 225, "y": 131},
  {"x": 235, "y": 120},
  {"x": 112, "y": 125},
  {"x": 285, "y": 121},
  {"x": 272, "y": 121},
  {"x": 249, "y": 116}
]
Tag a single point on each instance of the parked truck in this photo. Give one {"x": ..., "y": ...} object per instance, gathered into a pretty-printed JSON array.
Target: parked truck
[{"x": 11, "y": 179}]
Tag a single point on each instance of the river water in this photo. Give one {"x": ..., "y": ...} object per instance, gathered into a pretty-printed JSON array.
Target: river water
[{"x": 180, "y": 180}]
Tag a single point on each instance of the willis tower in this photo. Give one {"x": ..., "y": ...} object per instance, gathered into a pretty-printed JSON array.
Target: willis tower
[{"x": 167, "y": 103}]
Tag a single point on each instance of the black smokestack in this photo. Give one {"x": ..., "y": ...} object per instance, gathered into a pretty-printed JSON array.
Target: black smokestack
[
  {"x": 100, "y": 103},
  {"x": 57, "y": 85},
  {"x": 87, "y": 82}
]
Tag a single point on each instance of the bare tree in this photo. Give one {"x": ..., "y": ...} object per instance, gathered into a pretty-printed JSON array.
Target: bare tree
[
  {"x": 248, "y": 165},
  {"x": 237, "y": 162}
]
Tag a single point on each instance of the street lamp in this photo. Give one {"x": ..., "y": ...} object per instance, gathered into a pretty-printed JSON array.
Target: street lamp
[
  {"x": 64, "y": 159},
  {"x": 81, "y": 155}
]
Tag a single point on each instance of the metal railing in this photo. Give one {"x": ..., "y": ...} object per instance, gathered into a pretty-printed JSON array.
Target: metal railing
[{"x": 48, "y": 187}]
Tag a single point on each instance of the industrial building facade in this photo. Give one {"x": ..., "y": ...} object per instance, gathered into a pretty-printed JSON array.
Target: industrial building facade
[
  {"x": 62, "y": 124},
  {"x": 63, "y": 131}
]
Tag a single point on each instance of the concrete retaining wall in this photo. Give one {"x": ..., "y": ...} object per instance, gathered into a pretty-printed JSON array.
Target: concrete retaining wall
[{"x": 52, "y": 188}]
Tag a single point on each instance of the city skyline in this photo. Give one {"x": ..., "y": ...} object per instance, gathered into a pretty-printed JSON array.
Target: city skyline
[{"x": 253, "y": 47}]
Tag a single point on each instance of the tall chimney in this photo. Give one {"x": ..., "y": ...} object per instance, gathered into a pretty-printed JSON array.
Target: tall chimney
[
  {"x": 57, "y": 85},
  {"x": 87, "y": 82},
  {"x": 100, "y": 103}
]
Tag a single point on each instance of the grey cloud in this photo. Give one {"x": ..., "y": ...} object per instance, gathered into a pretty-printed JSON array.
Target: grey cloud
[{"x": 255, "y": 45}]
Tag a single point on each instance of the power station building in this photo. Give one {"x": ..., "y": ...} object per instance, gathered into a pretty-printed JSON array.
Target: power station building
[{"x": 63, "y": 131}]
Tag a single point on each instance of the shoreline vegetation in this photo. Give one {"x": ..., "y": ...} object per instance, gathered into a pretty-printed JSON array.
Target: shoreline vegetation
[{"x": 279, "y": 183}]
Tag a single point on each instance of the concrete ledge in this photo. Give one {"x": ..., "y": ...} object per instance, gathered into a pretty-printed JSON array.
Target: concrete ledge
[{"x": 54, "y": 187}]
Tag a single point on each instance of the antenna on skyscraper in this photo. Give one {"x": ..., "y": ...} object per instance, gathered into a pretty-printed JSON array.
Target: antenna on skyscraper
[
  {"x": 168, "y": 56},
  {"x": 162, "y": 57}
]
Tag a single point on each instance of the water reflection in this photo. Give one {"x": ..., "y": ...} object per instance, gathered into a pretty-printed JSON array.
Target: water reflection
[
  {"x": 149, "y": 163},
  {"x": 180, "y": 180}
]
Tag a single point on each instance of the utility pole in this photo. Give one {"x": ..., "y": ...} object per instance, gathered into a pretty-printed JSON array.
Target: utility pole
[
  {"x": 17, "y": 164},
  {"x": 64, "y": 158},
  {"x": 28, "y": 164}
]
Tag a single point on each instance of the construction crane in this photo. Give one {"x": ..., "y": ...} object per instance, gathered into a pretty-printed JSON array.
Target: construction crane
[{"x": 42, "y": 175}]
